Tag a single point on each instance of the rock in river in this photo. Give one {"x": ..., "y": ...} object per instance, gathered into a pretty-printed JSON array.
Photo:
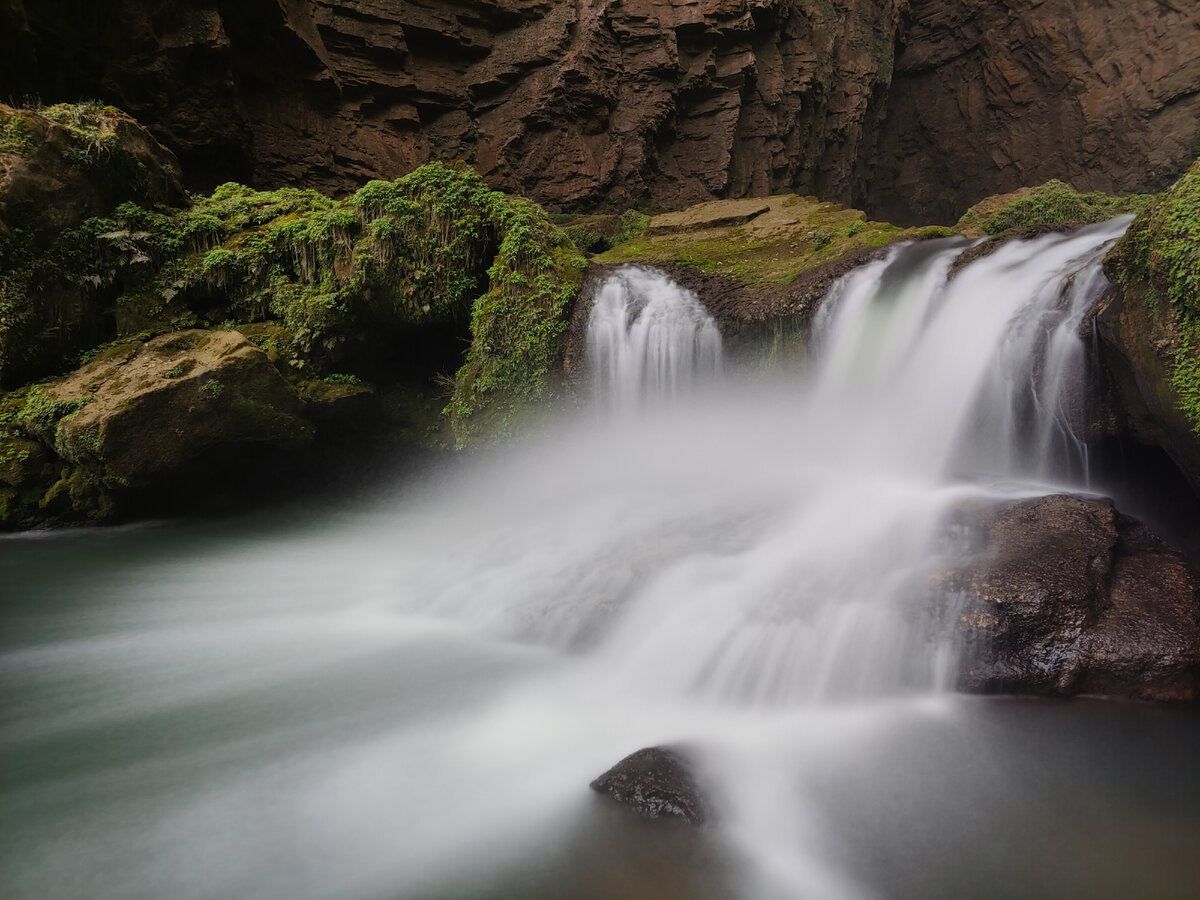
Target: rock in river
[
  {"x": 1066, "y": 596},
  {"x": 656, "y": 783}
]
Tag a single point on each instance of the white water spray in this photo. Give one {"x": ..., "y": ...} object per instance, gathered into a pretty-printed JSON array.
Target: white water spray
[
  {"x": 408, "y": 702},
  {"x": 649, "y": 340}
]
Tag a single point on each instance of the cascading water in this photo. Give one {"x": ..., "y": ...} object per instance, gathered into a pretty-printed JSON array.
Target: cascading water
[
  {"x": 408, "y": 701},
  {"x": 648, "y": 340}
]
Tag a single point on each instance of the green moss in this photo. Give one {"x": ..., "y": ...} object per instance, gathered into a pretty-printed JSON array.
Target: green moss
[
  {"x": 1157, "y": 263},
  {"x": 633, "y": 225},
  {"x": 517, "y": 326},
  {"x": 933, "y": 232},
  {"x": 795, "y": 235},
  {"x": 212, "y": 389},
  {"x": 42, "y": 412},
  {"x": 1051, "y": 204},
  {"x": 16, "y": 133},
  {"x": 80, "y": 492}
]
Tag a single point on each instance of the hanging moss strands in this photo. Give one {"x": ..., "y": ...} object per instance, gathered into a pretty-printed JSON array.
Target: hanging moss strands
[
  {"x": 1158, "y": 266},
  {"x": 434, "y": 247}
]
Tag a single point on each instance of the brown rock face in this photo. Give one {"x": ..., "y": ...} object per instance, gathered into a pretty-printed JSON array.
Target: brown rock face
[
  {"x": 1068, "y": 597},
  {"x": 664, "y": 102},
  {"x": 990, "y": 95}
]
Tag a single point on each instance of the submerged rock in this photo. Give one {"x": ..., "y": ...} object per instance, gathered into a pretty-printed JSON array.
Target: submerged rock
[
  {"x": 656, "y": 783},
  {"x": 1066, "y": 596}
]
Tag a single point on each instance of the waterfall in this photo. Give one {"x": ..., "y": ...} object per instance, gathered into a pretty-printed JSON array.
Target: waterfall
[
  {"x": 648, "y": 340},
  {"x": 978, "y": 371},
  {"x": 924, "y": 372},
  {"x": 408, "y": 698}
]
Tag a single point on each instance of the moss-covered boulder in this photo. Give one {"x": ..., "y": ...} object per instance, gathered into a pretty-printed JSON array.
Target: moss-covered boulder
[
  {"x": 1150, "y": 323},
  {"x": 60, "y": 166},
  {"x": 134, "y": 418},
  {"x": 1054, "y": 204},
  {"x": 139, "y": 410},
  {"x": 388, "y": 285},
  {"x": 362, "y": 283},
  {"x": 767, "y": 241}
]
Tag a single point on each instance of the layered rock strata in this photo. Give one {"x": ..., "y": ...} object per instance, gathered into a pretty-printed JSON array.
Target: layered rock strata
[{"x": 909, "y": 110}]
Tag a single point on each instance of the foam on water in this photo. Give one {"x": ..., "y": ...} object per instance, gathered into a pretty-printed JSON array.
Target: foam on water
[{"x": 409, "y": 700}]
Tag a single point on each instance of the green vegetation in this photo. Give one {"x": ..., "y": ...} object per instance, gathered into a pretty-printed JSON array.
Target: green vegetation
[
  {"x": 600, "y": 233},
  {"x": 16, "y": 132},
  {"x": 414, "y": 251},
  {"x": 435, "y": 247},
  {"x": 342, "y": 378},
  {"x": 1054, "y": 203},
  {"x": 42, "y": 412},
  {"x": 517, "y": 325},
  {"x": 775, "y": 246},
  {"x": 1158, "y": 263}
]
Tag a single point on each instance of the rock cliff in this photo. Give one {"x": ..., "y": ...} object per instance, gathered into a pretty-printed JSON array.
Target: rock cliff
[
  {"x": 991, "y": 95},
  {"x": 909, "y": 110}
]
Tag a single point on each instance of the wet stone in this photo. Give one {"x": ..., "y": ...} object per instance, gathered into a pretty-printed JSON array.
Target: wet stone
[{"x": 656, "y": 783}]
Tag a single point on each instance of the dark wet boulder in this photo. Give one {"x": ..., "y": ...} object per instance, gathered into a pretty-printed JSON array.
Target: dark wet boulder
[
  {"x": 656, "y": 783},
  {"x": 1065, "y": 596}
]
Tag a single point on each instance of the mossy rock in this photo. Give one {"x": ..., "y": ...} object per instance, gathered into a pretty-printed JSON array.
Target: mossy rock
[
  {"x": 1157, "y": 267},
  {"x": 518, "y": 329},
  {"x": 60, "y": 166},
  {"x": 131, "y": 417},
  {"x": 1053, "y": 204},
  {"x": 767, "y": 241},
  {"x": 347, "y": 280}
]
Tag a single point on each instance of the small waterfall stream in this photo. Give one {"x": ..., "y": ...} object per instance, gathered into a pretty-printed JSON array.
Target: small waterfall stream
[
  {"x": 649, "y": 341},
  {"x": 407, "y": 700},
  {"x": 919, "y": 376}
]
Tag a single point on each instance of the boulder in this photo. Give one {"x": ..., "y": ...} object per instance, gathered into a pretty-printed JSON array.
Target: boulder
[
  {"x": 141, "y": 411},
  {"x": 656, "y": 783},
  {"x": 63, "y": 164},
  {"x": 1065, "y": 596},
  {"x": 60, "y": 166}
]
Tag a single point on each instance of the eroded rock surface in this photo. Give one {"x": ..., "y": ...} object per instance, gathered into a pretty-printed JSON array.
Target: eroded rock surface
[
  {"x": 992, "y": 95},
  {"x": 912, "y": 111},
  {"x": 656, "y": 783},
  {"x": 147, "y": 409},
  {"x": 1066, "y": 596}
]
